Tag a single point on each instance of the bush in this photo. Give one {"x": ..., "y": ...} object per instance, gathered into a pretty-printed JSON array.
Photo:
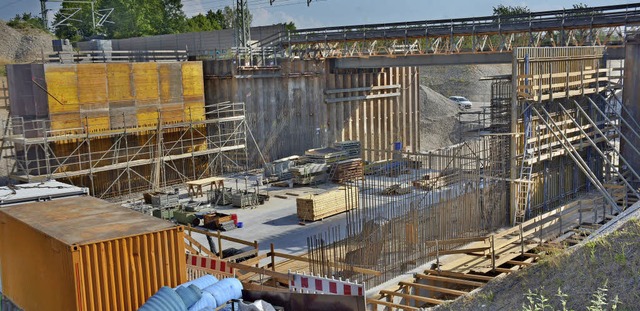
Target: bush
[{"x": 599, "y": 301}]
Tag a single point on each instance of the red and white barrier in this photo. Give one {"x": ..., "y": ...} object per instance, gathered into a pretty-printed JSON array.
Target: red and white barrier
[
  {"x": 302, "y": 283},
  {"x": 215, "y": 264}
]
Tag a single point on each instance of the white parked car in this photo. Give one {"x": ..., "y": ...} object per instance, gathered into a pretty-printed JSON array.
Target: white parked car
[{"x": 462, "y": 102}]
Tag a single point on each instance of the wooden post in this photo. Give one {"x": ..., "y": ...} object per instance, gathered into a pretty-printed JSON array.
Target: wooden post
[
  {"x": 560, "y": 221},
  {"x": 273, "y": 259},
  {"x": 437, "y": 256},
  {"x": 189, "y": 230},
  {"x": 521, "y": 241},
  {"x": 220, "y": 245},
  {"x": 493, "y": 253},
  {"x": 273, "y": 265}
]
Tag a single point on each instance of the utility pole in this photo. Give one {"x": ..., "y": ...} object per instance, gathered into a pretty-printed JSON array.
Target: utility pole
[
  {"x": 243, "y": 28},
  {"x": 43, "y": 14}
]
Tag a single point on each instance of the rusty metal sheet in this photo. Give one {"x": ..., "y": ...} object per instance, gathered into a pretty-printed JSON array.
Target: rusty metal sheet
[{"x": 97, "y": 256}]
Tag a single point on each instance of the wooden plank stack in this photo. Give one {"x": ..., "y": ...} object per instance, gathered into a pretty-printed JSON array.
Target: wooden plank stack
[
  {"x": 347, "y": 170},
  {"x": 320, "y": 206}
]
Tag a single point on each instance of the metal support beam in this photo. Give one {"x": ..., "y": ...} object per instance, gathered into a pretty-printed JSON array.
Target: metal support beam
[{"x": 421, "y": 60}]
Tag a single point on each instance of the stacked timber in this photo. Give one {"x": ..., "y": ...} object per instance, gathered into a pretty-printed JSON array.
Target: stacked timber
[
  {"x": 309, "y": 174},
  {"x": 351, "y": 147},
  {"x": 320, "y": 206},
  {"x": 348, "y": 170}
]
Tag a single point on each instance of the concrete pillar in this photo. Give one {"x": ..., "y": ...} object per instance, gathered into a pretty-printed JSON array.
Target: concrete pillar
[{"x": 631, "y": 98}]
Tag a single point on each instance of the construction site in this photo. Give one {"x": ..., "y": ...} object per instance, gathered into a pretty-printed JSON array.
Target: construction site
[{"x": 293, "y": 172}]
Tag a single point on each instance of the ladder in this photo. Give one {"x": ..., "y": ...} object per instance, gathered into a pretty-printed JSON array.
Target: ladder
[{"x": 523, "y": 183}]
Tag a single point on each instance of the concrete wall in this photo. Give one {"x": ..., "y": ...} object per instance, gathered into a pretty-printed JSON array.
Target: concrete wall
[
  {"x": 288, "y": 113},
  {"x": 631, "y": 98},
  {"x": 194, "y": 42}
]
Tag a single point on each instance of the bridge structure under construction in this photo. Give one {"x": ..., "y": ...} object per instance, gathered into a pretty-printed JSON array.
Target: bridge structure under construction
[{"x": 560, "y": 155}]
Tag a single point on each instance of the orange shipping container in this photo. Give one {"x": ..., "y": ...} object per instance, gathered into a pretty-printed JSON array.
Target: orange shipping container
[{"x": 86, "y": 254}]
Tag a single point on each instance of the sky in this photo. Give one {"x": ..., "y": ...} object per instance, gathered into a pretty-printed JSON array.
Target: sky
[{"x": 321, "y": 13}]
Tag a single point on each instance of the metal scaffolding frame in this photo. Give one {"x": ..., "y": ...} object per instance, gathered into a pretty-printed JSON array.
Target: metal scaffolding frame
[
  {"x": 562, "y": 116},
  {"x": 122, "y": 161}
]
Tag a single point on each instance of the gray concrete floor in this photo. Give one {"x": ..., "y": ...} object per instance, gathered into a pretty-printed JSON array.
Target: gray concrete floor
[{"x": 274, "y": 222}]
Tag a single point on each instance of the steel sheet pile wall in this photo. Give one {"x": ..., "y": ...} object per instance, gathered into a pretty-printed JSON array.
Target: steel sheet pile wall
[
  {"x": 563, "y": 82},
  {"x": 631, "y": 97},
  {"x": 302, "y": 105},
  {"x": 108, "y": 126},
  {"x": 408, "y": 203},
  {"x": 86, "y": 254}
]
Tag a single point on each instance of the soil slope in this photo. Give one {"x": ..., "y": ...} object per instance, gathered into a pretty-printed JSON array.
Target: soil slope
[{"x": 23, "y": 45}]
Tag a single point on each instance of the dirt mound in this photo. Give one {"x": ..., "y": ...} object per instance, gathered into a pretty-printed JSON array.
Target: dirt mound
[
  {"x": 24, "y": 45},
  {"x": 610, "y": 262},
  {"x": 438, "y": 120},
  {"x": 462, "y": 80}
]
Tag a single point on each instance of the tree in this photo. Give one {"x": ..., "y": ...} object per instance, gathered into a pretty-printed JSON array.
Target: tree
[
  {"x": 26, "y": 20},
  {"x": 216, "y": 18},
  {"x": 173, "y": 18},
  {"x": 201, "y": 23},
  {"x": 290, "y": 26},
  {"x": 503, "y": 10},
  {"x": 131, "y": 18}
]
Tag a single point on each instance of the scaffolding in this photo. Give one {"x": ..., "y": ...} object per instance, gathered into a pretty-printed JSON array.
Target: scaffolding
[
  {"x": 568, "y": 131},
  {"x": 133, "y": 158}
]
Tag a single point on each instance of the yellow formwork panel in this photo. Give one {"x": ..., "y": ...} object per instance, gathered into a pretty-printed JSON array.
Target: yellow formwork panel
[
  {"x": 96, "y": 122},
  {"x": 192, "y": 80},
  {"x": 147, "y": 116},
  {"x": 64, "y": 121},
  {"x": 170, "y": 82},
  {"x": 145, "y": 78},
  {"x": 119, "y": 82},
  {"x": 172, "y": 113},
  {"x": 62, "y": 86},
  {"x": 194, "y": 111},
  {"x": 92, "y": 83}
]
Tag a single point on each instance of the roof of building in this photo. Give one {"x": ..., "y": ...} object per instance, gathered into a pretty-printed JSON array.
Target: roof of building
[{"x": 84, "y": 220}]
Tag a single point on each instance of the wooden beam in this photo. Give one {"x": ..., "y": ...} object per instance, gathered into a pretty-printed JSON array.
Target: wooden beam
[
  {"x": 459, "y": 251},
  {"x": 460, "y": 275},
  {"x": 519, "y": 263},
  {"x": 435, "y": 288},
  {"x": 414, "y": 297},
  {"x": 456, "y": 241},
  {"x": 361, "y": 89},
  {"x": 354, "y": 98},
  {"x": 203, "y": 249},
  {"x": 448, "y": 280},
  {"x": 333, "y": 264},
  {"x": 391, "y": 304},
  {"x": 505, "y": 270}
]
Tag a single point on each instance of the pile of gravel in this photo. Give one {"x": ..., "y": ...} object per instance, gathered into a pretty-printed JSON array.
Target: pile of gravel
[
  {"x": 438, "y": 120},
  {"x": 23, "y": 45},
  {"x": 462, "y": 80}
]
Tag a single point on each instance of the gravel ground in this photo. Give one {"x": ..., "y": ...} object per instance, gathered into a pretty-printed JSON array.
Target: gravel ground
[
  {"x": 438, "y": 120},
  {"x": 462, "y": 80},
  {"x": 24, "y": 45}
]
